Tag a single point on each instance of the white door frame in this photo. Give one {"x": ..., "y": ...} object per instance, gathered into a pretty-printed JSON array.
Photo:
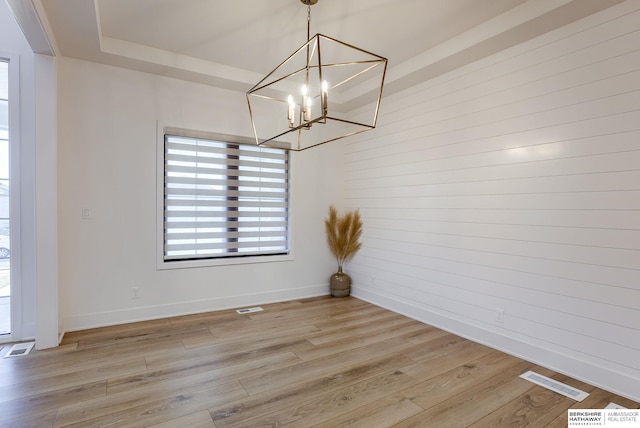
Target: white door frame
[{"x": 14, "y": 196}]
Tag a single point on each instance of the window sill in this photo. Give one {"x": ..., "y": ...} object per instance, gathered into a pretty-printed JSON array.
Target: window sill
[{"x": 228, "y": 261}]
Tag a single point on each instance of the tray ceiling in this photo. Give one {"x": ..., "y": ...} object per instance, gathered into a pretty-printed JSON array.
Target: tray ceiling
[{"x": 232, "y": 44}]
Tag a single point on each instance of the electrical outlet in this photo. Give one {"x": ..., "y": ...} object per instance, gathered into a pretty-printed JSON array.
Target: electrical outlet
[
  {"x": 373, "y": 280},
  {"x": 135, "y": 293},
  {"x": 500, "y": 315}
]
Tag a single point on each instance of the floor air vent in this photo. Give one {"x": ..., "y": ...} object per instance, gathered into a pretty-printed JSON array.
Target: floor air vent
[
  {"x": 560, "y": 388},
  {"x": 19, "y": 350},
  {"x": 614, "y": 406},
  {"x": 249, "y": 310}
]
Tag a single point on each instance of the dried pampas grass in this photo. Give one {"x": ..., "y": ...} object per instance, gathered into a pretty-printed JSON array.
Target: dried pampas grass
[{"x": 343, "y": 234}]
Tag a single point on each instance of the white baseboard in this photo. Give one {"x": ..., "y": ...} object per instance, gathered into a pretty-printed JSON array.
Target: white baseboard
[
  {"x": 145, "y": 313},
  {"x": 601, "y": 377}
]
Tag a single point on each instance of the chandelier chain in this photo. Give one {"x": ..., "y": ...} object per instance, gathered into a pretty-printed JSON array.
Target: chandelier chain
[{"x": 308, "y": 21}]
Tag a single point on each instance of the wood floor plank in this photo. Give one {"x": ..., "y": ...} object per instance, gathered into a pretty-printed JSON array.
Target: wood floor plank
[
  {"x": 436, "y": 347},
  {"x": 271, "y": 401},
  {"x": 352, "y": 341},
  {"x": 362, "y": 329},
  {"x": 451, "y": 357},
  {"x": 311, "y": 311},
  {"x": 200, "y": 419},
  {"x": 321, "y": 366},
  {"x": 454, "y": 382},
  {"x": 145, "y": 397},
  {"x": 537, "y": 407},
  {"x": 69, "y": 380},
  {"x": 41, "y": 419},
  {"x": 234, "y": 352},
  {"x": 321, "y": 362},
  {"x": 107, "y": 333},
  {"x": 140, "y": 337},
  {"x": 14, "y": 409},
  {"x": 206, "y": 369},
  {"x": 330, "y": 405},
  {"x": 427, "y": 334},
  {"x": 468, "y": 407},
  {"x": 249, "y": 332},
  {"x": 358, "y": 313},
  {"x": 382, "y": 413},
  {"x": 333, "y": 324},
  {"x": 43, "y": 364},
  {"x": 88, "y": 358},
  {"x": 206, "y": 319},
  {"x": 157, "y": 411}
]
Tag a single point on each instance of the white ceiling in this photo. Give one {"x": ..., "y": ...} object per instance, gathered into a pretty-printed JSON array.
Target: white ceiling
[{"x": 232, "y": 44}]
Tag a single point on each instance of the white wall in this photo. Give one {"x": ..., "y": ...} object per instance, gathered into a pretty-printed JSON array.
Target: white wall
[
  {"x": 107, "y": 163},
  {"x": 514, "y": 183},
  {"x": 48, "y": 320}
]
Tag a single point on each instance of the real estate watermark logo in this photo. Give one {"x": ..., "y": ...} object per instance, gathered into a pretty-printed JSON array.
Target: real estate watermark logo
[{"x": 626, "y": 418}]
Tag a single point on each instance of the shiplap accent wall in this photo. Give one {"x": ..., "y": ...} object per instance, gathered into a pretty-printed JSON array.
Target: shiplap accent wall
[{"x": 514, "y": 184}]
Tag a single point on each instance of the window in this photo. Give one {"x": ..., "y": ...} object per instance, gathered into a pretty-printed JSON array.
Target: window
[
  {"x": 223, "y": 198},
  {"x": 5, "y": 247}
]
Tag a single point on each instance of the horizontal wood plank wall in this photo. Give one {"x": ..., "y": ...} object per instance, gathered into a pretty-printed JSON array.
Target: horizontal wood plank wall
[{"x": 513, "y": 184}]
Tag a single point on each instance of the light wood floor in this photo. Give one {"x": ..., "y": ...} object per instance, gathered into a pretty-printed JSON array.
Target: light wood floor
[{"x": 313, "y": 363}]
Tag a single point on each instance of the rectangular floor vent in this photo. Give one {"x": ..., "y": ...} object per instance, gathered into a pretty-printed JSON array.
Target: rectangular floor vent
[
  {"x": 614, "y": 406},
  {"x": 19, "y": 350},
  {"x": 249, "y": 310},
  {"x": 560, "y": 388}
]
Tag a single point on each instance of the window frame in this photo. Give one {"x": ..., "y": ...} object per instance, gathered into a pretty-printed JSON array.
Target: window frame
[
  {"x": 15, "y": 136},
  {"x": 161, "y": 263}
]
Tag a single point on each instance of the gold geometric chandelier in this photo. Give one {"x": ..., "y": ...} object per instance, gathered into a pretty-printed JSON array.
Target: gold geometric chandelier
[{"x": 324, "y": 91}]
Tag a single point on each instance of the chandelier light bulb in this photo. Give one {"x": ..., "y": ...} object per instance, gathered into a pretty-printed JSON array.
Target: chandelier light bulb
[
  {"x": 307, "y": 110},
  {"x": 304, "y": 103},
  {"x": 325, "y": 96},
  {"x": 291, "y": 112}
]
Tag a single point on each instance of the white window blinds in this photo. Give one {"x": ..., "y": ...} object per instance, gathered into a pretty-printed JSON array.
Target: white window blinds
[{"x": 224, "y": 199}]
